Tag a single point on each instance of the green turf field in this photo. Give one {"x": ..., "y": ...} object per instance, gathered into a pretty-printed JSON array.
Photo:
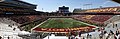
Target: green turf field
[{"x": 62, "y": 23}]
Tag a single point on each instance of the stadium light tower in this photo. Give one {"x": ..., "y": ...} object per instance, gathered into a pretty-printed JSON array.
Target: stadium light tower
[
  {"x": 104, "y": 3},
  {"x": 87, "y": 5},
  {"x": 107, "y": 1}
]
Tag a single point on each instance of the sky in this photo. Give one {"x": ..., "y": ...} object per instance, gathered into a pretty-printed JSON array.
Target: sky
[{"x": 52, "y": 5}]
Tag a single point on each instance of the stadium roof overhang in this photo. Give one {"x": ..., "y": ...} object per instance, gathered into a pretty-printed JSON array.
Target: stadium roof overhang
[{"x": 118, "y": 1}]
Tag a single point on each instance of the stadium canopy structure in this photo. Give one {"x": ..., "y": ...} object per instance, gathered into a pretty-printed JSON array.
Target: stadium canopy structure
[{"x": 118, "y": 1}]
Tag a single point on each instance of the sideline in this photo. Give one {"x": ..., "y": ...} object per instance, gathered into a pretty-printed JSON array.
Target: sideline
[
  {"x": 40, "y": 24},
  {"x": 89, "y": 24}
]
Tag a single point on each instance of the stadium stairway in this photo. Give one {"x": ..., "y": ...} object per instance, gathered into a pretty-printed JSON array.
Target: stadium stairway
[
  {"x": 7, "y": 29},
  {"x": 95, "y": 35},
  {"x": 113, "y": 19},
  {"x": 8, "y": 21}
]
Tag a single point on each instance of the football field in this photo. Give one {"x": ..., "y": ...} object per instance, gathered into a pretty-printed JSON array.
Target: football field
[{"x": 62, "y": 23}]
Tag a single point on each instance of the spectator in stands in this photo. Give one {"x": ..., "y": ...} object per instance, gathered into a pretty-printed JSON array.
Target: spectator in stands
[
  {"x": 90, "y": 36},
  {"x": 9, "y": 26},
  {"x": 83, "y": 38},
  {"x": 87, "y": 36},
  {"x": 77, "y": 37},
  {"x": 0, "y": 37},
  {"x": 13, "y": 24},
  {"x": 105, "y": 32},
  {"x": 113, "y": 25},
  {"x": 8, "y": 37},
  {"x": 72, "y": 37},
  {"x": 14, "y": 29},
  {"x": 116, "y": 25},
  {"x": 69, "y": 34},
  {"x": 117, "y": 33},
  {"x": 106, "y": 35},
  {"x": 115, "y": 37},
  {"x": 80, "y": 34},
  {"x": 111, "y": 32},
  {"x": 118, "y": 36},
  {"x": 73, "y": 33},
  {"x": 101, "y": 36}
]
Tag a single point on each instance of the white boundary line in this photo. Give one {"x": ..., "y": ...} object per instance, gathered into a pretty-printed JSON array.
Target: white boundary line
[
  {"x": 89, "y": 24},
  {"x": 50, "y": 18},
  {"x": 40, "y": 24}
]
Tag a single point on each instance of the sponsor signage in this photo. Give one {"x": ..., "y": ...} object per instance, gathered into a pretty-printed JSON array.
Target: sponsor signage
[
  {"x": 103, "y": 10},
  {"x": 64, "y": 30}
]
